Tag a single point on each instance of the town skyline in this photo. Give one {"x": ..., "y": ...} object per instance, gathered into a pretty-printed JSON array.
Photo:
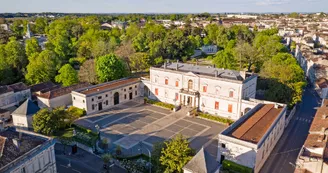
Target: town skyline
[{"x": 168, "y": 6}]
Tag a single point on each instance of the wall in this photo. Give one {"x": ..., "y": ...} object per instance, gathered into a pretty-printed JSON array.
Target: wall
[
  {"x": 20, "y": 121},
  {"x": 43, "y": 161},
  {"x": 63, "y": 100},
  {"x": 11, "y": 99}
]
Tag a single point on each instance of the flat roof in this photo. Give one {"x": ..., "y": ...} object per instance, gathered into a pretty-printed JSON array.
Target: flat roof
[
  {"x": 255, "y": 126},
  {"x": 107, "y": 86}
]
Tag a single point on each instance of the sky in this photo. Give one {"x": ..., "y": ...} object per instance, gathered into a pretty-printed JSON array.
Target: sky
[{"x": 162, "y": 6}]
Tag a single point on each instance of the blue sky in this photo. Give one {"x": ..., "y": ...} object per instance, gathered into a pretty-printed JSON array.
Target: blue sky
[{"x": 162, "y": 6}]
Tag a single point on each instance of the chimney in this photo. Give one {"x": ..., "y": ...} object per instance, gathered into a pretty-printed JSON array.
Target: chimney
[
  {"x": 276, "y": 106},
  {"x": 243, "y": 74},
  {"x": 216, "y": 73},
  {"x": 177, "y": 67},
  {"x": 165, "y": 65},
  {"x": 16, "y": 142}
]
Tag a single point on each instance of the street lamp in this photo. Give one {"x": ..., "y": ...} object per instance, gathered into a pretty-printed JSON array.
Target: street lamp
[{"x": 149, "y": 153}]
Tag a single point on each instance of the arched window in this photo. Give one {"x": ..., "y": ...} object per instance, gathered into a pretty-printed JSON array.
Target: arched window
[
  {"x": 231, "y": 92},
  {"x": 166, "y": 81},
  {"x": 190, "y": 84}
]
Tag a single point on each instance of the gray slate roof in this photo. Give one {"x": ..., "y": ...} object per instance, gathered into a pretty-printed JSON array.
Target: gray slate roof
[
  {"x": 28, "y": 108},
  {"x": 206, "y": 70},
  {"x": 202, "y": 162}
]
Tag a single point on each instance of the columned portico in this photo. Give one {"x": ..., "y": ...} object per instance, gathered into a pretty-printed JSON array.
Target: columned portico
[{"x": 189, "y": 98}]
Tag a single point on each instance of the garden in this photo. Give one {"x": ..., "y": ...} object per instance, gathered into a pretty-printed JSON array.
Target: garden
[{"x": 158, "y": 103}]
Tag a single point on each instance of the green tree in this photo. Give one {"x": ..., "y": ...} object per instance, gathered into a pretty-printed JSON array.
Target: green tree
[
  {"x": 139, "y": 61},
  {"x": 67, "y": 75},
  {"x": 246, "y": 54},
  {"x": 225, "y": 59},
  {"x": 156, "y": 155},
  {"x": 176, "y": 154},
  {"x": 40, "y": 25},
  {"x": 32, "y": 46},
  {"x": 18, "y": 28},
  {"x": 47, "y": 122},
  {"x": 15, "y": 54},
  {"x": 294, "y": 15},
  {"x": 42, "y": 67},
  {"x": 110, "y": 67}
]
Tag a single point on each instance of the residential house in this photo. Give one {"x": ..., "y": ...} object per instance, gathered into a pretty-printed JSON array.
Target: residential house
[
  {"x": 12, "y": 95},
  {"x": 23, "y": 115}
]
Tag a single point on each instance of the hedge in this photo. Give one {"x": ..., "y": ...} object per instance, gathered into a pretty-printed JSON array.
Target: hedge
[
  {"x": 158, "y": 103},
  {"x": 216, "y": 118},
  {"x": 235, "y": 168}
]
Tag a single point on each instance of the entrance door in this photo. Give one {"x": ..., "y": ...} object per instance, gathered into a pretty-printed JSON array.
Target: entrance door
[
  {"x": 130, "y": 95},
  {"x": 116, "y": 98},
  {"x": 100, "y": 106},
  {"x": 222, "y": 158}
]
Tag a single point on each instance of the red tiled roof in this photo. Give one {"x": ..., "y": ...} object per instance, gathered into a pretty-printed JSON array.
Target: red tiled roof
[
  {"x": 253, "y": 128},
  {"x": 56, "y": 92},
  {"x": 41, "y": 86},
  {"x": 108, "y": 86}
]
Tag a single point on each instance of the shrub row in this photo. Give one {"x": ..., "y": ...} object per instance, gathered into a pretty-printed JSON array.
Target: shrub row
[
  {"x": 158, "y": 103},
  {"x": 215, "y": 118},
  {"x": 235, "y": 168}
]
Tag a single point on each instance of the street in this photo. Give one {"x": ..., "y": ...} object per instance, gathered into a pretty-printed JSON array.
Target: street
[{"x": 284, "y": 155}]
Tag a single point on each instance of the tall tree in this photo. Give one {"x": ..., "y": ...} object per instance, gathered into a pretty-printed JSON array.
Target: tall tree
[
  {"x": 87, "y": 72},
  {"x": 42, "y": 67},
  {"x": 110, "y": 67},
  {"x": 139, "y": 61},
  {"x": 67, "y": 75},
  {"x": 40, "y": 25},
  {"x": 176, "y": 154},
  {"x": 32, "y": 46}
]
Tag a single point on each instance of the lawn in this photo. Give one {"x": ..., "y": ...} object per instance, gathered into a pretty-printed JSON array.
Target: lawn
[{"x": 83, "y": 136}]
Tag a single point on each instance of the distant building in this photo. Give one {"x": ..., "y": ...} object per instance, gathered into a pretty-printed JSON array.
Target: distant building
[
  {"x": 29, "y": 33},
  {"x": 313, "y": 156},
  {"x": 4, "y": 26},
  {"x": 12, "y": 95},
  {"x": 23, "y": 115},
  {"x": 250, "y": 140},
  {"x": 104, "y": 96},
  {"x": 209, "y": 49},
  {"x": 57, "y": 96},
  {"x": 26, "y": 153}
]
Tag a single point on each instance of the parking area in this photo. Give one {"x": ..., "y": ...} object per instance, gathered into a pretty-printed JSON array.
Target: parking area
[{"x": 132, "y": 123}]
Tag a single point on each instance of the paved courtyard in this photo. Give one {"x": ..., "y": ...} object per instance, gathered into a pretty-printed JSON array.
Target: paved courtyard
[{"x": 135, "y": 126}]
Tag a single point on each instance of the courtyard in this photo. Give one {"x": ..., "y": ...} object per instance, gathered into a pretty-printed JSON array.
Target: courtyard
[{"x": 135, "y": 126}]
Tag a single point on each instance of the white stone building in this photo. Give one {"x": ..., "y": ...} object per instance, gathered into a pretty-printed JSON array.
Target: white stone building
[
  {"x": 250, "y": 140},
  {"x": 12, "y": 95},
  {"x": 213, "y": 90},
  {"x": 104, "y": 96},
  {"x": 26, "y": 153},
  {"x": 23, "y": 115}
]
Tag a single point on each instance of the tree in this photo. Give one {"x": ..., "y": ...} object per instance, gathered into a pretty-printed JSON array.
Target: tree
[
  {"x": 74, "y": 113},
  {"x": 18, "y": 28},
  {"x": 139, "y": 61},
  {"x": 40, "y": 25},
  {"x": 224, "y": 59},
  {"x": 32, "y": 46},
  {"x": 42, "y": 67},
  {"x": 106, "y": 158},
  {"x": 246, "y": 54},
  {"x": 109, "y": 67},
  {"x": 294, "y": 15},
  {"x": 87, "y": 72},
  {"x": 46, "y": 122},
  {"x": 4, "y": 36},
  {"x": 176, "y": 154},
  {"x": 156, "y": 155},
  {"x": 67, "y": 75},
  {"x": 15, "y": 54}
]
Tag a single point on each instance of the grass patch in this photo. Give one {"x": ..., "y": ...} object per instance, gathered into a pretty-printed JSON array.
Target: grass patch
[
  {"x": 83, "y": 135},
  {"x": 158, "y": 103},
  {"x": 235, "y": 168},
  {"x": 215, "y": 118}
]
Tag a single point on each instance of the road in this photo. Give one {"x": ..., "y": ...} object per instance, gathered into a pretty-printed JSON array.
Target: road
[{"x": 285, "y": 153}]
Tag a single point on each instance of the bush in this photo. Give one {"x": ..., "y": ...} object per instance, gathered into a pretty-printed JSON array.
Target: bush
[
  {"x": 158, "y": 103},
  {"x": 234, "y": 167},
  {"x": 216, "y": 118}
]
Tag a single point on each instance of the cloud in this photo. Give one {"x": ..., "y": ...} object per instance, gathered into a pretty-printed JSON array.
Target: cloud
[{"x": 272, "y": 2}]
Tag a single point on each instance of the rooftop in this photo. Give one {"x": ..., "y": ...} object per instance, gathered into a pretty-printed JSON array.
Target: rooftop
[
  {"x": 205, "y": 70},
  {"x": 28, "y": 108},
  {"x": 107, "y": 86},
  {"x": 255, "y": 126},
  {"x": 9, "y": 151},
  {"x": 202, "y": 162},
  {"x": 20, "y": 86},
  {"x": 41, "y": 86},
  {"x": 56, "y": 92}
]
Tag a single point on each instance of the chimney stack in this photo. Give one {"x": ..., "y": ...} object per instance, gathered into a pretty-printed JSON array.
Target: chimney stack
[
  {"x": 216, "y": 73},
  {"x": 177, "y": 67},
  {"x": 165, "y": 65}
]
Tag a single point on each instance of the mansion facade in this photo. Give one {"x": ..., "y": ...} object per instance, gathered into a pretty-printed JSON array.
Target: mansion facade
[{"x": 212, "y": 90}]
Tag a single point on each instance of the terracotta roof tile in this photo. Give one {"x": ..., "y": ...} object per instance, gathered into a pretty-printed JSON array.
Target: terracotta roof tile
[{"x": 56, "y": 92}]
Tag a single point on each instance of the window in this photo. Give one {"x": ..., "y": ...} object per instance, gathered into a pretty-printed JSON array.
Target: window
[
  {"x": 130, "y": 88},
  {"x": 106, "y": 95},
  {"x": 217, "y": 90},
  {"x": 230, "y": 108},
  {"x": 223, "y": 145},
  {"x": 106, "y": 102},
  {"x": 73, "y": 98},
  {"x": 216, "y": 105},
  {"x": 124, "y": 96},
  {"x": 135, "y": 92},
  {"x": 204, "y": 88},
  {"x": 190, "y": 84},
  {"x": 83, "y": 101},
  {"x": 99, "y": 97},
  {"x": 166, "y": 81},
  {"x": 176, "y": 83},
  {"x": 156, "y": 91},
  {"x": 230, "y": 93},
  {"x": 92, "y": 99},
  {"x": 124, "y": 89},
  {"x": 135, "y": 86},
  {"x": 23, "y": 170},
  {"x": 176, "y": 96},
  {"x": 93, "y": 107}
]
